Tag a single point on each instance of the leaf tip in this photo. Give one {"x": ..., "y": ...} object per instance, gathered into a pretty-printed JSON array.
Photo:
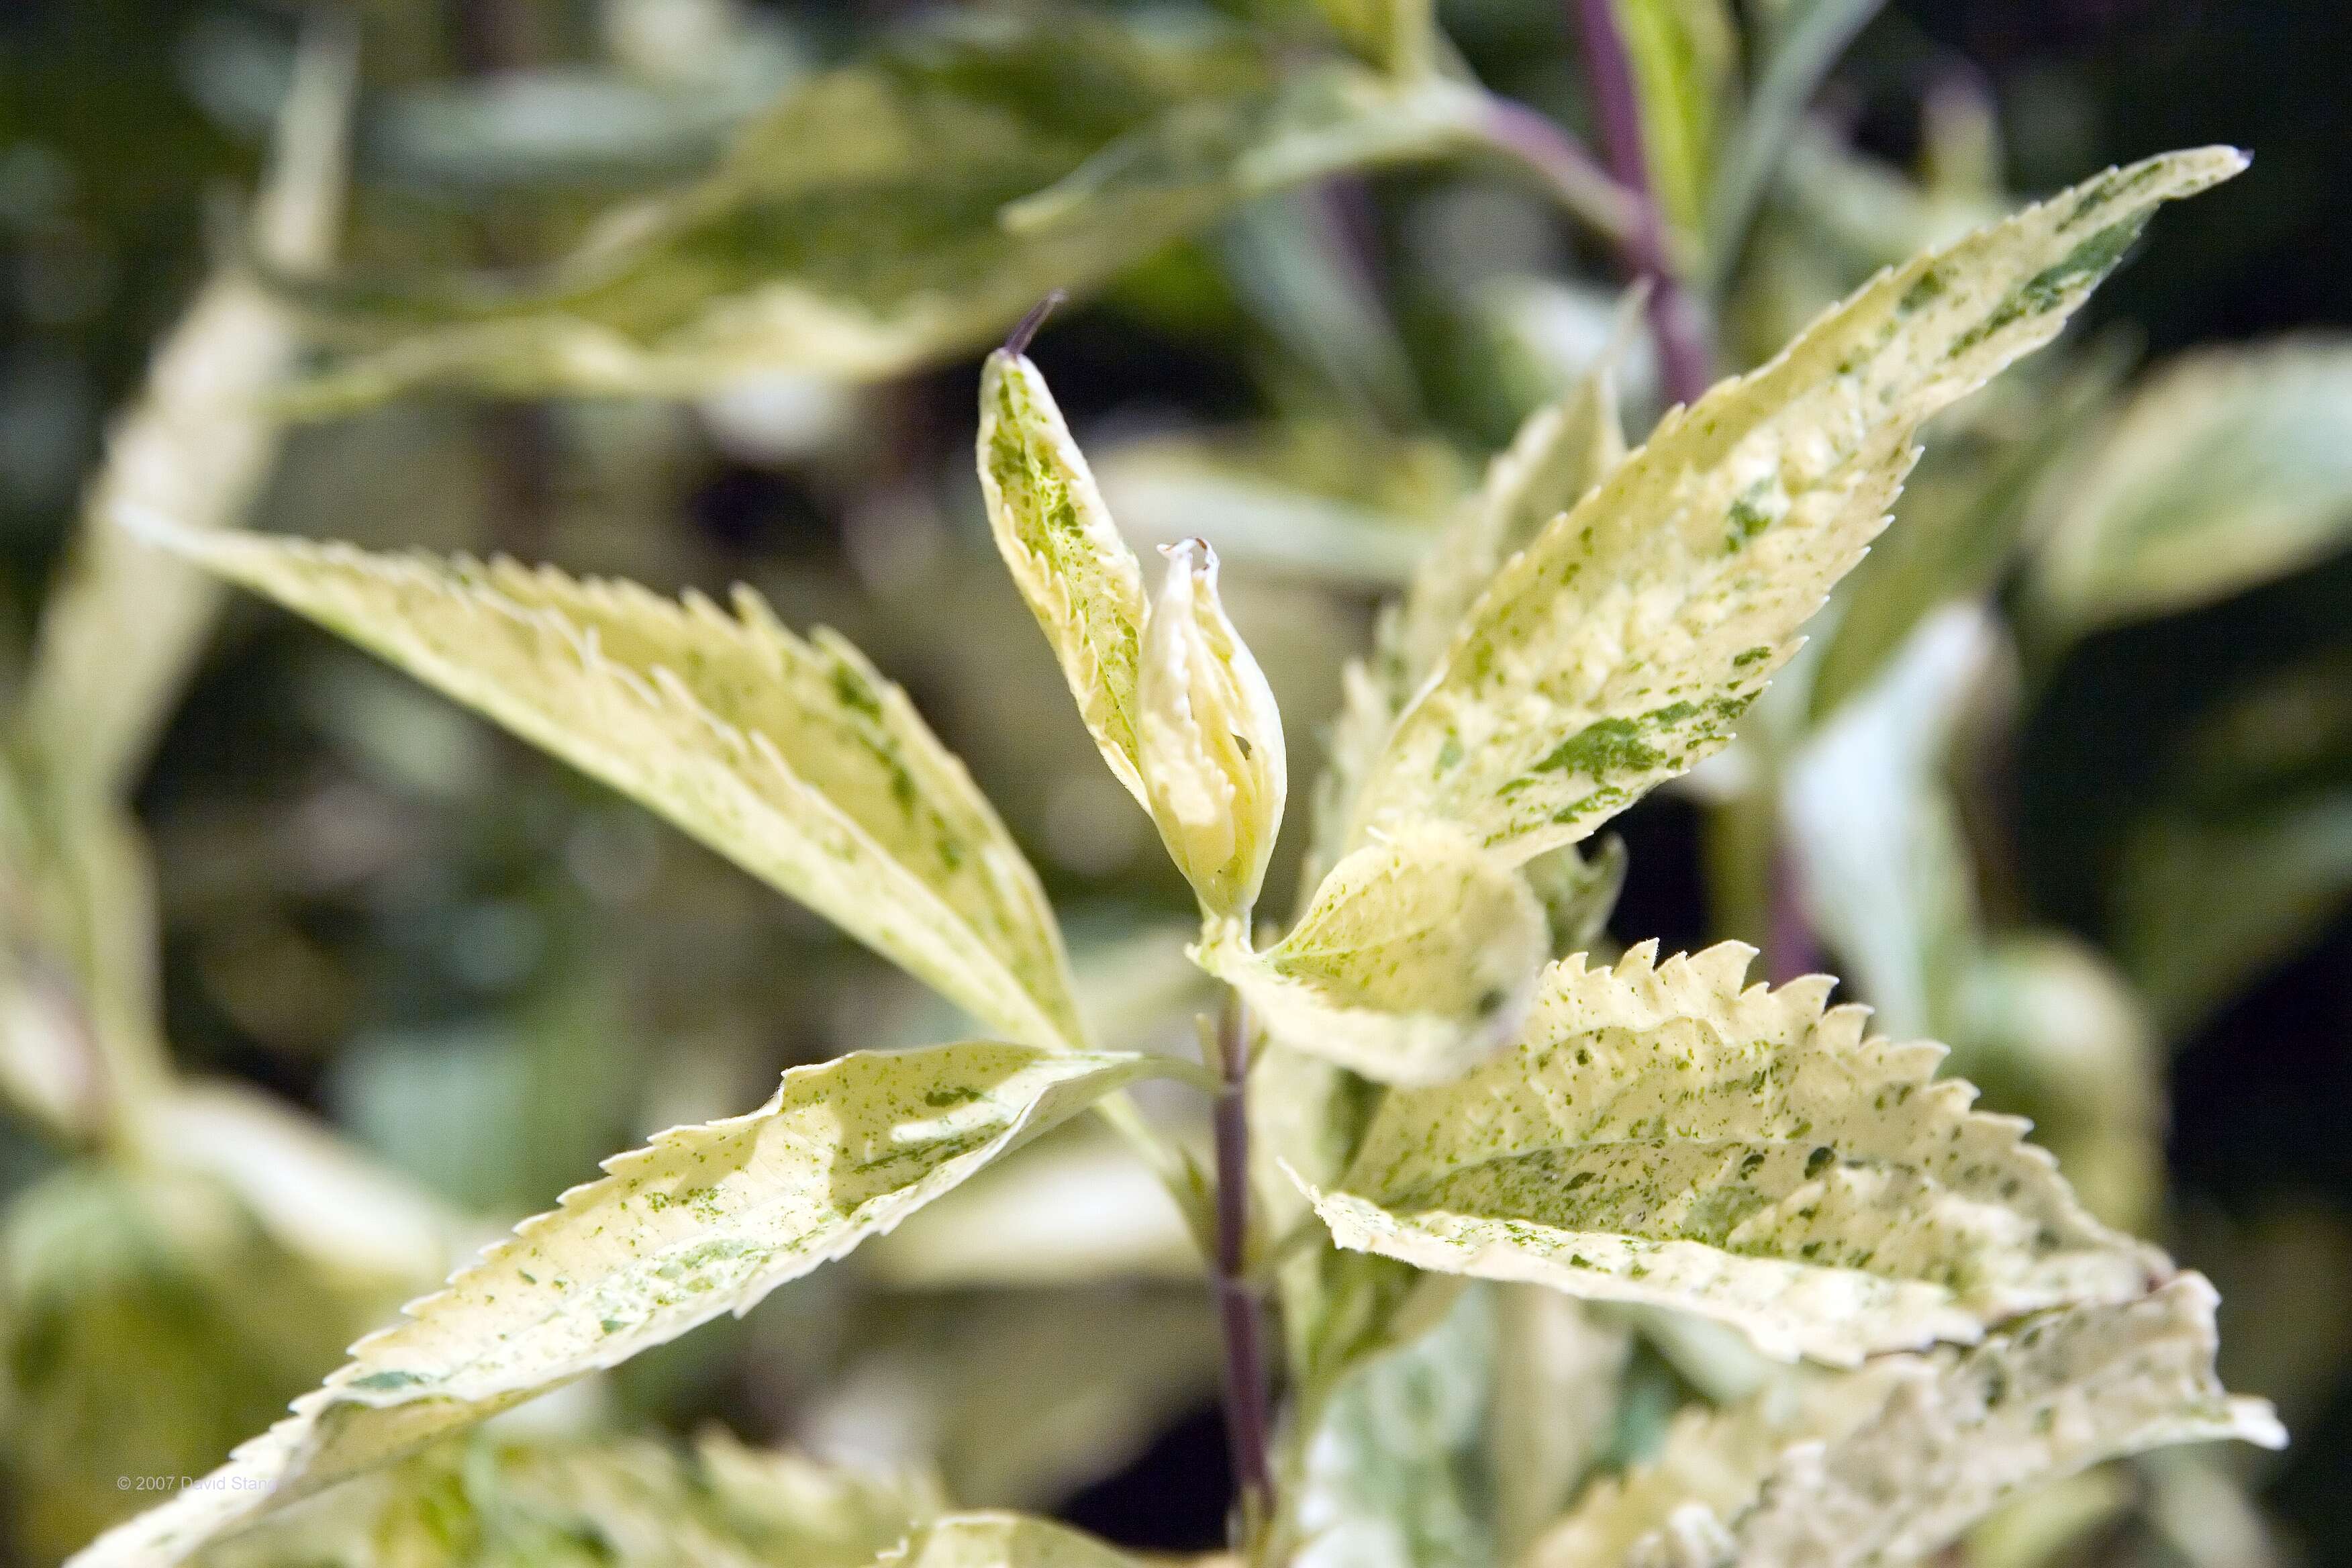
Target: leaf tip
[{"x": 1017, "y": 342}]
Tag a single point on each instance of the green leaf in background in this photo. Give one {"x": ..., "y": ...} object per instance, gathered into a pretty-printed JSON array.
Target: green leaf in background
[
  {"x": 791, "y": 757},
  {"x": 147, "y": 1323},
  {"x": 1882, "y": 867},
  {"x": 2230, "y": 467},
  {"x": 575, "y": 1504},
  {"x": 1619, "y": 649},
  {"x": 1685, "y": 60},
  {"x": 1804, "y": 41},
  {"x": 1560, "y": 1379},
  {"x": 1889, "y": 1463},
  {"x": 2248, "y": 851},
  {"x": 908, "y": 207},
  {"x": 1658, "y": 1135},
  {"x": 1000, "y": 1541},
  {"x": 705, "y": 1220},
  {"x": 1415, "y": 959},
  {"x": 1395, "y": 1473}
]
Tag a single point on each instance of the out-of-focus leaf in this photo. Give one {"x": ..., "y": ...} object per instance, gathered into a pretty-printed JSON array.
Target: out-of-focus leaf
[
  {"x": 1889, "y": 1463},
  {"x": 1080, "y": 1208},
  {"x": 2231, "y": 466},
  {"x": 356, "y": 1221},
  {"x": 2049, "y": 1031},
  {"x": 1659, "y": 1135},
  {"x": 1797, "y": 55},
  {"x": 1415, "y": 959},
  {"x": 1881, "y": 866},
  {"x": 911, "y": 206},
  {"x": 791, "y": 757},
  {"x": 125, "y": 624},
  {"x": 705, "y": 1220},
  {"x": 1559, "y": 1365},
  {"x": 150, "y": 1323},
  {"x": 1292, "y": 260},
  {"x": 1323, "y": 502},
  {"x": 1395, "y": 1473},
  {"x": 625, "y": 1504},
  {"x": 1578, "y": 894},
  {"x": 1018, "y": 1397},
  {"x": 2249, "y": 851},
  {"x": 1000, "y": 1541},
  {"x": 1685, "y": 59},
  {"x": 1618, "y": 649},
  {"x": 1960, "y": 522}
]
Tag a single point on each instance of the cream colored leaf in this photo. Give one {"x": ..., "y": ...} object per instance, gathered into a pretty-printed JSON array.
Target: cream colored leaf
[
  {"x": 1415, "y": 959},
  {"x": 2231, "y": 468},
  {"x": 1080, "y": 578},
  {"x": 790, "y": 756},
  {"x": 1660, "y": 1135},
  {"x": 1001, "y": 1541},
  {"x": 1889, "y": 1464},
  {"x": 1622, "y": 645},
  {"x": 1562, "y": 1366},
  {"x": 703, "y": 1220},
  {"x": 358, "y": 1223}
]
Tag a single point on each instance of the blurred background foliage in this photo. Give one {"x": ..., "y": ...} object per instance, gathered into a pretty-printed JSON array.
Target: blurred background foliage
[{"x": 2070, "y": 786}]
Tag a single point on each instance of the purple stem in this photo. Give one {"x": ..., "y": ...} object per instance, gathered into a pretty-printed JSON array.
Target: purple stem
[
  {"x": 1246, "y": 1424},
  {"x": 1683, "y": 357}
]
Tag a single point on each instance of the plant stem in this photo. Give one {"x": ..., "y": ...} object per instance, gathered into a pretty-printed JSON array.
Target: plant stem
[
  {"x": 1238, "y": 1308},
  {"x": 1684, "y": 358}
]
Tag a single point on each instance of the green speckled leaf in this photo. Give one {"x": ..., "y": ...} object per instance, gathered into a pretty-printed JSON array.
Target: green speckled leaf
[
  {"x": 1624, "y": 644},
  {"x": 2231, "y": 468},
  {"x": 790, "y": 756},
  {"x": 1414, "y": 962},
  {"x": 1660, "y": 1135},
  {"x": 1079, "y": 576},
  {"x": 1889, "y": 1464},
  {"x": 1001, "y": 1541},
  {"x": 703, "y": 1220},
  {"x": 907, "y": 207}
]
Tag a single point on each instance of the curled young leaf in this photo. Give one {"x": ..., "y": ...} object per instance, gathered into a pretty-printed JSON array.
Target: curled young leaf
[
  {"x": 1415, "y": 961},
  {"x": 704, "y": 1220},
  {"x": 1890, "y": 1463},
  {"x": 1214, "y": 764},
  {"x": 1079, "y": 577},
  {"x": 1660, "y": 1135},
  {"x": 1620, "y": 647},
  {"x": 791, "y": 757}
]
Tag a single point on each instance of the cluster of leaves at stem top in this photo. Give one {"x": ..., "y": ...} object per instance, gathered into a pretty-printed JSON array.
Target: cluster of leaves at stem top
[{"x": 1596, "y": 622}]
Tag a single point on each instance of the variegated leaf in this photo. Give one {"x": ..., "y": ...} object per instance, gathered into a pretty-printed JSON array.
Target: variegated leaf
[
  {"x": 1621, "y": 647},
  {"x": 1415, "y": 959},
  {"x": 703, "y": 1220},
  {"x": 2229, "y": 468},
  {"x": 1889, "y": 1464},
  {"x": 906, "y": 207},
  {"x": 790, "y": 756},
  {"x": 1001, "y": 1541},
  {"x": 1081, "y": 579},
  {"x": 1660, "y": 1135}
]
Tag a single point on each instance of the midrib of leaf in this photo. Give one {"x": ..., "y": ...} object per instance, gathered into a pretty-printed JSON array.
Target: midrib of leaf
[
  {"x": 1620, "y": 647},
  {"x": 554, "y": 661}
]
